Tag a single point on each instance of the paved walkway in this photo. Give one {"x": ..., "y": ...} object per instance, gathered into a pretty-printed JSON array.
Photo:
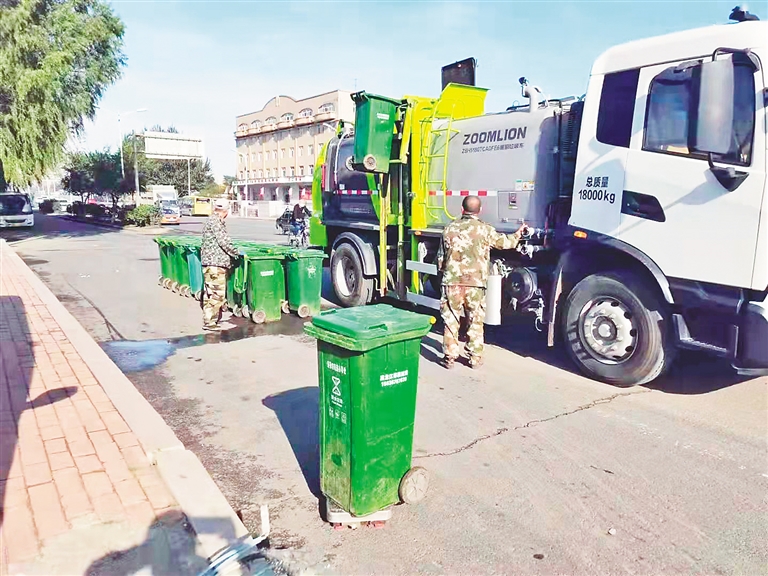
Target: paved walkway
[{"x": 78, "y": 491}]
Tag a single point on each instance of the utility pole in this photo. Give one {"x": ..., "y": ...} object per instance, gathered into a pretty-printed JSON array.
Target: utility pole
[
  {"x": 135, "y": 169},
  {"x": 189, "y": 177}
]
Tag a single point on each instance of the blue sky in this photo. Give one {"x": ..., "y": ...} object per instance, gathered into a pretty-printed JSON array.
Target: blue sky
[{"x": 198, "y": 64}]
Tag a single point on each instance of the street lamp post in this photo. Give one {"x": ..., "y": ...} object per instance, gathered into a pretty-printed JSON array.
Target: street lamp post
[{"x": 122, "y": 161}]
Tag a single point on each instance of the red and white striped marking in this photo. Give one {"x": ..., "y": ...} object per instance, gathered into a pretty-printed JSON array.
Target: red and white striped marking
[
  {"x": 462, "y": 192},
  {"x": 357, "y": 192}
]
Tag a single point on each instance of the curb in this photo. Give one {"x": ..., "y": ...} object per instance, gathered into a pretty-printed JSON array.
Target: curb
[{"x": 206, "y": 508}]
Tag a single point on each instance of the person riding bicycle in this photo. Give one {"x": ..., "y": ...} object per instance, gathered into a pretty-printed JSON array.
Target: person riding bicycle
[{"x": 299, "y": 217}]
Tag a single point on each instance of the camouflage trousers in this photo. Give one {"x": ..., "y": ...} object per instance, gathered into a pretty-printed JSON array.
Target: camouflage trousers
[
  {"x": 456, "y": 302},
  {"x": 215, "y": 294}
]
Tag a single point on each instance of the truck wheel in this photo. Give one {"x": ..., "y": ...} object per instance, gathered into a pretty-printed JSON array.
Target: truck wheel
[
  {"x": 616, "y": 329},
  {"x": 349, "y": 284}
]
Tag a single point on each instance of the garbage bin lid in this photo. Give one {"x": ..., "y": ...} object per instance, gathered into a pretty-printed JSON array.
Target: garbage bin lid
[
  {"x": 309, "y": 253},
  {"x": 372, "y": 326}
]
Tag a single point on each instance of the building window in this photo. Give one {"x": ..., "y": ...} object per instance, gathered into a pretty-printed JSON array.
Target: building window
[
  {"x": 670, "y": 117},
  {"x": 309, "y": 150},
  {"x": 261, "y": 173},
  {"x": 287, "y": 117},
  {"x": 274, "y": 154},
  {"x": 242, "y": 127},
  {"x": 253, "y": 156},
  {"x": 290, "y": 152},
  {"x": 311, "y": 169},
  {"x": 293, "y": 172},
  {"x": 327, "y": 107},
  {"x": 259, "y": 157},
  {"x": 306, "y": 113},
  {"x": 301, "y": 151},
  {"x": 283, "y": 171},
  {"x": 271, "y": 120},
  {"x": 282, "y": 153},
  {"x": 256, "y": 124},
  {"x": 242, "y": 175},
  {"x": 301, "y": 170}
]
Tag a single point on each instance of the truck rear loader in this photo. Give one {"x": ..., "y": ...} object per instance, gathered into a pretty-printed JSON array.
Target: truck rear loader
[{"x": 646, "y": 201}]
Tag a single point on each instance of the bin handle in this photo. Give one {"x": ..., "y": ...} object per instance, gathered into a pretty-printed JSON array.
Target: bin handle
[{"x": 378, "y": 326}]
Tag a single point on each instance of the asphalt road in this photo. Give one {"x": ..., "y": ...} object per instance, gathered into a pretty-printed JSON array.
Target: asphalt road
[{"x": 533, "y": 468}]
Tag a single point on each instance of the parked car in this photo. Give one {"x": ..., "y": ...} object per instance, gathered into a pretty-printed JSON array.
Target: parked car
[
  {"x": 283, "y": 223},
  {"x": 16, "y": 210}
]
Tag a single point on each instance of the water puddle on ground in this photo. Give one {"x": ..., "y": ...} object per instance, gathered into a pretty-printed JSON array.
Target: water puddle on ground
[{"x": 137, "y": 355}]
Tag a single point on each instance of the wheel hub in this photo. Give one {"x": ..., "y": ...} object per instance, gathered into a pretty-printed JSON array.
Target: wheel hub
[{"x": 607, "y": 329}]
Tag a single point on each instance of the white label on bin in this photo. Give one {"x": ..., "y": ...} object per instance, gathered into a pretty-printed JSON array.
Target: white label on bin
[
  {"x": 394, "y": 378},
  {"x": 336, "y": 392},
  {"x": 268, "y": 273},
  {"x": 336, "y": 367},
  {"x": 382, "y": 116},
  {"x": 311, "y": 269}
]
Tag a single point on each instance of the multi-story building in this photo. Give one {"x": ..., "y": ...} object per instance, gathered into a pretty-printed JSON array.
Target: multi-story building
[{"x": 277, "y": 146}]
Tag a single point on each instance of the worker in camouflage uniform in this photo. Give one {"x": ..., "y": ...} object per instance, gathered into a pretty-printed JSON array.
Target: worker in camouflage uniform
[
  {"x": 216, "y": 253},
  {"x": 464, "y": 261}
]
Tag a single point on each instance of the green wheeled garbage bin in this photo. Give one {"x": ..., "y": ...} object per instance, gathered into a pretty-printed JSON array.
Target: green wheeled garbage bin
[
  {"x": 166, "y": 265},
  {"x": 368, "y": 364},
  {"x": 180, "y": 267},
  {"x": 195, "y": 267},
  {"x": 304, "y": 273},
  {"x": 265, "y": 286},
  {"x": 374, "y": 127},
  {"x": 236, "y": 284}
]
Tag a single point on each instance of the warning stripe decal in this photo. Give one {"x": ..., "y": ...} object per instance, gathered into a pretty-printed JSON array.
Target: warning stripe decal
[
  {"x": 462, "y": 192},
  {"x": 357, "y": 192}
]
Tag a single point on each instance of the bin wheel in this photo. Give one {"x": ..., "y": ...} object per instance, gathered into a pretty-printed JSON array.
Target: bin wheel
[
  {"x": 185, "y": 291},
  {"x": 244, "y": 312},
  {"x": 414, "y": 485},
  {"x": 259, "y": 316},
  {"x": 237, "y": 311},
  {"x": 160, "y": 280},
  {"x": 285, "y": 307},
  {"x": 175, "y": 287},
  {"x": 198, "y": 295},
  {"x": 166, "y": 283},
  {"x": 303, "y": 311}
]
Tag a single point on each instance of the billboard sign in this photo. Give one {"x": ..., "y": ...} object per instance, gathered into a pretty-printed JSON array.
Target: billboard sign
[{"x": 166, "y": 146}]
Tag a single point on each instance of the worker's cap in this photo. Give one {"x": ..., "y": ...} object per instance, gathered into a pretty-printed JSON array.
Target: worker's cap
[{"x": 221, "y": 204}]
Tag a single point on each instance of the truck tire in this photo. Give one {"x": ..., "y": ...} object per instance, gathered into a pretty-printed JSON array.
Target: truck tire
[
  {"x": 352, "y": 288},
  {"x": 616, "y": 329}
]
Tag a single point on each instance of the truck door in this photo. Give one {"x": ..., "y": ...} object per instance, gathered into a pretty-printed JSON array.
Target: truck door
[{"x": 674, "y": 209}]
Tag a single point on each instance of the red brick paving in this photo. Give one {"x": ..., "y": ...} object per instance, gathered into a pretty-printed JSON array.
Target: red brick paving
[{"x": 65, "y": 452}]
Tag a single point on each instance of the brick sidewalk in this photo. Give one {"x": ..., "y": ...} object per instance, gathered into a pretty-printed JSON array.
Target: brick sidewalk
[{"x": 74, "y": 482}]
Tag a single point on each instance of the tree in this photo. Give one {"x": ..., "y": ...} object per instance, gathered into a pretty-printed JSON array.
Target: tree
[
  {"x": 95, "y": 173},
  {"x": 56, "y": 59}
]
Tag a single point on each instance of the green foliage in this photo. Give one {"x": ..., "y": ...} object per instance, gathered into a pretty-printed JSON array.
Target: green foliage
[
  {"x": 89, "y": 173},
  {"x": 56, "y": 59},
  {"x": 144, "y": 215},
  {"x": 213, "y": 191}
]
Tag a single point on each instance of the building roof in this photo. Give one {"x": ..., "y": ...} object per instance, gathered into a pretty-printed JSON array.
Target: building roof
[
  {"x": 699, "y": 42},
  {"x": 271, "y": 103}
]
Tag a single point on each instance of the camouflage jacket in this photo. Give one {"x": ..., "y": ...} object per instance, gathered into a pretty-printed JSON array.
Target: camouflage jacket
[
  {"x": 217, "y": 248},
  {"x": 465, "y": 251}
]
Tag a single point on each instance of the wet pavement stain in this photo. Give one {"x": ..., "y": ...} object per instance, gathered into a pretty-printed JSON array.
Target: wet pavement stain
[{"x": 138, "y": 355}]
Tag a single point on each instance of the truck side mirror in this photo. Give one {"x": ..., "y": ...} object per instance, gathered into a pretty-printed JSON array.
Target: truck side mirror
[{"x": 714, "y": 126}]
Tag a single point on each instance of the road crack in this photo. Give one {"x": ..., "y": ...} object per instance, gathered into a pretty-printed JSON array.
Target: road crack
[{"x": 531, "y": 423}]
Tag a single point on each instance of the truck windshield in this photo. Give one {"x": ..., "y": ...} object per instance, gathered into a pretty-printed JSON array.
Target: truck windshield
[{"x": 14, "y": 205}]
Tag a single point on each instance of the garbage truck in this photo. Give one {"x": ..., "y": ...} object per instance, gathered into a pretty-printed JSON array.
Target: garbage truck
[{"x": 645, "y": 201}]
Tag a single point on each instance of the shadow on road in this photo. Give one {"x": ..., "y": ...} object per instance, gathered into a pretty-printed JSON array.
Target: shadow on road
[
  {"x": 54, "y": 226},
  {"x": 692, "y": 372},
  {"x": 296, "y": 411}
]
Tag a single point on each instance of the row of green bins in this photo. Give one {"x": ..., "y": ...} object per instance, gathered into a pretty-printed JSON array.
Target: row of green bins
[{"x": 368, "y": 367}]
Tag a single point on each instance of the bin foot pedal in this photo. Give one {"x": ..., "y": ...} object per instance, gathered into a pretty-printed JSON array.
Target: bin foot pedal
[{"x": 340, "y": 518}]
